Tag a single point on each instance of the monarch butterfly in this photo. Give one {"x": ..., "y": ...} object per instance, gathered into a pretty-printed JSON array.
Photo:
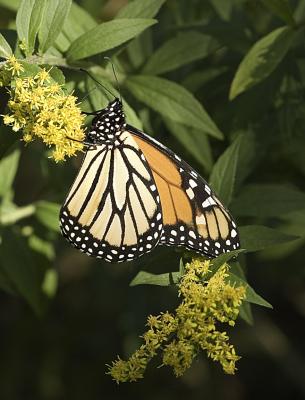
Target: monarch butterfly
[{"x": 133, "y": 193}]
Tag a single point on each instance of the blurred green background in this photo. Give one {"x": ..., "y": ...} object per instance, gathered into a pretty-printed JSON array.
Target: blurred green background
[{"x": 63, "y": 315}]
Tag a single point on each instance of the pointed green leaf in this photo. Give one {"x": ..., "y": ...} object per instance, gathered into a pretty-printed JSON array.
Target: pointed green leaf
[
  {"x": 223, "y": 175},
  {"x": 282, "y": 9},
  {"x": 262, "y": 59},
  {"x": 8, "y": 168},
  {"x": 54, "y": 17},
  {"x": 251, "y": 295},
  {"x": 5, "y": 48},
  {"x": 245, "y": 313},
  {"x": 180, "y": 50},
  {"x": 28, "y": 21},
  {"x": 223, "y": 8},
  {"x": 106, "y": 36},
  {"x": 172, "y": 101},
  {"x": 258, "y": 237},
  {"x": 224, "y": 258},
  {"x": 268, "y": 200},
  {"x": 140, "y": 9},
  {"x": 146, "y": 278}
]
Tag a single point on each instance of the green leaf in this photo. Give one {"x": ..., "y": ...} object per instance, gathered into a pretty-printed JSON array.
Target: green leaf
[
  {"x": 42, "y": 246},
  {"x": 22, "y": 270},
  {"x": 140, "y": 9},
  {"x": 245, "y": 312},
  {"x": 28, "y": 21},
  {"x": 77, "y": 23},
  {"x": 5, "y": 48},
  {"x": 258, "y": 237},
  {"x": 267, "y": 200},
  {"x": 194, "y": 81},
  {"x": 180, "y": 50},
  {"x": 224, "y": 173},
  {"x": 5, "y": 283},
  {"x": 172, "y": 101},
  {"x": 146, "y": 278},
  {"x": 282, "y": 9},
  {"x": 224, "y": 258},
  {"x": 54, "y": 17},
  {"x": 12, "y": 5},
  {"x": 8, "y": 168},
  {"x": 262, "y": 59},
  {"x": 98, "y": 99},
  {"x": 106, "y": 36},
  {"x": 50, "y": 282},
  {"x": 10, "y": 213},
  {"x": 251, "y": 295},
  {"x": 194, "y": 141},
  {"x": 48, "y": 213},
  {"x": 223, "y": 8}
]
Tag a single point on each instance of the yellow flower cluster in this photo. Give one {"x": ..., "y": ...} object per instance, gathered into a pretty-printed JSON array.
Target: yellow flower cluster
[
  {"x": 181, "y": 335},
  {"x": 39, "y": 107}
]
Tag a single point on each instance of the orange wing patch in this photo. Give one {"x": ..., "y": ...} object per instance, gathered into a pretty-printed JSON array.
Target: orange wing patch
[{"x": 174, "y": 202}]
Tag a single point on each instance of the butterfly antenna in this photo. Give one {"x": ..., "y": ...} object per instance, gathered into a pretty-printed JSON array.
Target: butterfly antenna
[
  {"x": 96, "y": 81},
  {"x": 115, "y": 76}
]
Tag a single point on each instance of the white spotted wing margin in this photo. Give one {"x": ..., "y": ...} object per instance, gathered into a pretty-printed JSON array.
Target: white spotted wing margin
[
  {"x": 112, "y": 210},
  {"x": 211, "y": 230}
]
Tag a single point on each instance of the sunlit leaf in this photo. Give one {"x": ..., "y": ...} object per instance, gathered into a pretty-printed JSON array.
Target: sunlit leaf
[
  {"x": 140, "y": 9},
  {"x": 8, "y": 168},
  {"x": 178, "y": 51},
  {"x": 28, "y": 21},
  {"x": 106, "y": 36},
  {"x": 172, "y": 101},
  {"x": 54, "y": 17},
  {"x": 262, "y": 59},
  {"x": 5, "y": 48}
]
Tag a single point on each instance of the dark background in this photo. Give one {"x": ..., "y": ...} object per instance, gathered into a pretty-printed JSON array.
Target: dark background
[{"x": 95, "y": 315}]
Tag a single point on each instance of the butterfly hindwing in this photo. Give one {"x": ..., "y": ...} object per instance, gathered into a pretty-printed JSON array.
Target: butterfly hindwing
[
  {"x": 113, "y": 209},
  {"x": 193, "y": 216}
]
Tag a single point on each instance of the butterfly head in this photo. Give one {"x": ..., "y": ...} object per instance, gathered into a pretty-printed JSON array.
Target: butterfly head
[{"x": 108, "y": 124}]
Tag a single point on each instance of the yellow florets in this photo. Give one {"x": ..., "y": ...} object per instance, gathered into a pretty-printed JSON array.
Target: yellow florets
[
  {"x": 191, "y": 328},
  {"x": 39, "y": 107}
]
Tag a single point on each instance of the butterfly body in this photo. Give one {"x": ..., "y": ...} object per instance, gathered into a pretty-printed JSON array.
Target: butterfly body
[{"x": 132, "y": 193}]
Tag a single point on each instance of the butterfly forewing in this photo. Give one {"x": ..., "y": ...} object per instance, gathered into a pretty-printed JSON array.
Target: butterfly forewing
[
  {"x": 113, "y": 209},
  {"x": 193, "y": 216}
]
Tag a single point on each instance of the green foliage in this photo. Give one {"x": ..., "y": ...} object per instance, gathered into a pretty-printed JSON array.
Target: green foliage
[
  {"x": 114, "y": 32},
  {"x": 55, "y": 14},
  {"x": 173, "y": 101},
  {"x": 5, "y": 48},
  {"x": 262, "y": 59},
  {"x": 220, "y": 82},
  {"x": 28, "y": 21}
]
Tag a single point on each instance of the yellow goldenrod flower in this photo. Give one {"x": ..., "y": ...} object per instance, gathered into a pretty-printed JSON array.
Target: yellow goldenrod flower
[
  {"x": 39, "y": 107},
  {"x": 192, "y": 327}
]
